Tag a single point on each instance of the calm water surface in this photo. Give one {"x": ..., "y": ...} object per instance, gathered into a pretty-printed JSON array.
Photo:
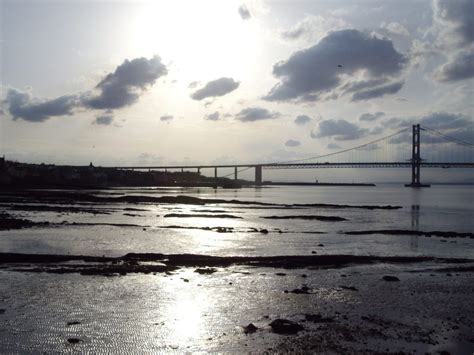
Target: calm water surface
[{"x": 445, "y": 208}]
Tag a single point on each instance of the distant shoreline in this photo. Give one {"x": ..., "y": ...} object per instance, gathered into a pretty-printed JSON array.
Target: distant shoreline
[{"x": 318, "y": 184}]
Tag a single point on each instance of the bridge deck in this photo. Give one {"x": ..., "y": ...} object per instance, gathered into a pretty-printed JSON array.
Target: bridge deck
[{"x": 405, "y": 164}]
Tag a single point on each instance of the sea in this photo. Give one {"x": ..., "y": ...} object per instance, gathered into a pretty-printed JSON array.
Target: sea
[{"x": 145, "y": 227}]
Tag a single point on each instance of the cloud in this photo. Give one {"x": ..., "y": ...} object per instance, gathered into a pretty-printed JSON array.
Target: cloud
[
  {"x": 118, "y": 89},
  {"x": 124, "y": 86},
  {"x": 193, "y": 84},
  {"x": 445, "y": 120},
  {"x": 313, "y": 27},
  {"x": 460, "y": 67},
  {"x": 219, "y": 87},
  {"x": 377, "y": 130},
  {"x": 457, "y": 17},
  {"x": 292, "y": 143},
  {"x": 395, "y": 28},
  {"x": 455, "y": 125},
  {"x": 333, "y": 146},
  {"x": 354, "y": 86},
  {"x": 104, "y": 120},
  {"x": 166, "y": 118},
  {"x": 21, "y": 105},
  {"x": 340, "y": 130},
  {"x": 252, "y": 114},
  {"x": 302, "y": 120},
  {"x": 244, "y": 12},
  {"x": 370, "y": 117},
  {"x": 213, "y": 116},
  {"x": 310, "y": 73},
  {"x": 378, "y": 91}
]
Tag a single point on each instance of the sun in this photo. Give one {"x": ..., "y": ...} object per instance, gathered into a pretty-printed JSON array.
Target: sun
[{"x": 202, "y": 40}]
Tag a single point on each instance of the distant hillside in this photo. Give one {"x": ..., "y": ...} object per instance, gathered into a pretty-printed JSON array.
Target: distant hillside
[{"x": 13, "y": 174}]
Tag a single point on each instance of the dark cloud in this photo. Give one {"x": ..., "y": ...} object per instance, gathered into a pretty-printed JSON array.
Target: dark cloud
[
  {"x": 118, "y": 89},
  {"x": 370, "y": 117},
  {"x": 302, "y": 120},
  {"x": 292, "y": 143},
  {"x": 458, "y": 15},
  {"x": 213, "y": 116},
  {"x": 124, "y": 86},
  {"x": 354, "y": 86},
  {"x": 104, "y": 120},
  {"x": 340, "y": 130},
  {"x": 333, "y": 146},
  {"x": 166, "y": 118},
  {"x": 455, "y": 125},
  {"x": 244, "y": 12},
  {"x": 252, "y": 114},
  {"x": 214, "y": 88},
  {"x": 315, "y": 71},
  {"x": 377, "y": 130},
  {"x": 378, "y": 91},
  {"x": 445, "y": 120},
  {"x": 21, "y": 105},
  {"x": 193, "y": 84},
  {"x": 461, "y": 67}
]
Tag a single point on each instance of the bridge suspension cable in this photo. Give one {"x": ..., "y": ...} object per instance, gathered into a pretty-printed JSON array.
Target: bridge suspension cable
[
  {"x": 452, "y": 139},
  {"x": 344, "y": 150}
]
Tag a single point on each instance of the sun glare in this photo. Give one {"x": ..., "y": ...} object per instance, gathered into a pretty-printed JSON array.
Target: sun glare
[{"x": 205, "y": 39}]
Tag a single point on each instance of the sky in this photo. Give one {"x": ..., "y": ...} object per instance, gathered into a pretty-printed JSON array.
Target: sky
[{"x": 206, "y": 82}]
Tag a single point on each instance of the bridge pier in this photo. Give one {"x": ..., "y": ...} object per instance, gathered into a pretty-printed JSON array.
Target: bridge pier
[
  {"x": 215, "y": 173},
  {"x": 416, "y": 159},
  {"x": 235, "y": 173},
  {"x": 258, "y": 175},
  {"x": 199, "y": 171}
]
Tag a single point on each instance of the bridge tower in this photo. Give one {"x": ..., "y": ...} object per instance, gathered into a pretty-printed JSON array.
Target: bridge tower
[
  {"x": 258, "y": 175},
  {"x": 416, "y": 159}
]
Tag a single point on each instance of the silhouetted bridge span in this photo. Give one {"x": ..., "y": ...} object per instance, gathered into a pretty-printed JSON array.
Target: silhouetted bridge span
[{"x": 351, "y": 158}]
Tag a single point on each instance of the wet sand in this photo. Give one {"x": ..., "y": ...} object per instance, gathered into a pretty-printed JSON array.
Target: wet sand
[
  {"x": 157, "y": 302},
  {"x": 344, "y": 308}
]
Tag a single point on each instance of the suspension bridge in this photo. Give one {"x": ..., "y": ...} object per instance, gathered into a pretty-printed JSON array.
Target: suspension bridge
[{"x": 402, "y": 149}]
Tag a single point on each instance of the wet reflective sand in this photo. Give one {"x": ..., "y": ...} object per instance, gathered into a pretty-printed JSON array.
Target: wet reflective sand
[{"x": 343, "y": 308}]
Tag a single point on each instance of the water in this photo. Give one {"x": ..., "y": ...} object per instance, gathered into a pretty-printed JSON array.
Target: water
[
  {"x": 443, "y": 208},
  {"x": 188, "y": 312}
]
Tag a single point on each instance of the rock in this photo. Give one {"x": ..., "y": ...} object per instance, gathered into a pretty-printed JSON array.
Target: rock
[
  {"x": 73, "y": 323},
  {"x": 313, "y": 252},
  {"x": 206, "y": 271},
  {"x": 300, "y": 291},
  {"x": 73, "y": 340},
  {"x": 285, "y": 326},
  {"x": 2, "y": 311},
  {"x": 280, "y": 274},
  {"x": 320, "y": 245},
  {"x": 304, "y": 275},
  {"x": 317, "y": 318},
  {"x": 249, "y": 329},
  {"x": 390, "y": 278},
  {"x": 264, "y": 231},
  {"x": 351, "y": 288}
]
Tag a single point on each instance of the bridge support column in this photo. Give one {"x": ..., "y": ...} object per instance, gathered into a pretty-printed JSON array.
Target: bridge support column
[
  {"x": 416, "y": 159},
  {"x": 199, "y": 171},
  {"x": 235, "y": 173},
  {"x": 215, "y": 173},
  {"x": 258, "y": 175}
]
